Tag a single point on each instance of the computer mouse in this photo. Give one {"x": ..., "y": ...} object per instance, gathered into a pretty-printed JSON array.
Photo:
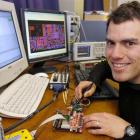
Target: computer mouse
[{"x": 41, "y": 74}]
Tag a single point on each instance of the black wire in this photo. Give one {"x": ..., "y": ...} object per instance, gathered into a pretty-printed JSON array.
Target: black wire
[{"x": 30, "y": 116}]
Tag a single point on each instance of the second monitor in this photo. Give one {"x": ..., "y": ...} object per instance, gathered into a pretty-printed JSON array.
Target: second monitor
[{"x": 44, "y": 35}]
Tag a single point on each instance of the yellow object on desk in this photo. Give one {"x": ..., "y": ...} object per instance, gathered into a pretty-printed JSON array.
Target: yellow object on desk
[{"x": 23, "y": 134}]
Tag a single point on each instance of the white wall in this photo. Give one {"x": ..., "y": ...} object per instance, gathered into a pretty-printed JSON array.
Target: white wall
[
  {"x": 66, "y": 5},
  {"x": 76, "y": 6}
]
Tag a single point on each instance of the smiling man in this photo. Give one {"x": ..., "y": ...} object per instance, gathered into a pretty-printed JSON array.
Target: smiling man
[
  {"x": 122, "y": 65},
  {"x": 123, "y": 50}
]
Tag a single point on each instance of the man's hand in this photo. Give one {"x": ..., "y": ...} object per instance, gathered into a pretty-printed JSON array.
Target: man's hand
[
  {"x": 105, "y": 124},
  {"x": 82, "y": 86}
]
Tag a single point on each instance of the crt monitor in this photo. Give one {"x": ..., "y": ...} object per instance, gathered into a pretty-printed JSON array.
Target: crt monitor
[
  {"x": 45, "y": 36},
  {"x": 12, "y": 54}
]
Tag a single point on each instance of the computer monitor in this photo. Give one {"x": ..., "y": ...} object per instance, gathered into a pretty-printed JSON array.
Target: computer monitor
[
  {"x": 12, "y": 54},
  {"x": 45, "y": 37}
]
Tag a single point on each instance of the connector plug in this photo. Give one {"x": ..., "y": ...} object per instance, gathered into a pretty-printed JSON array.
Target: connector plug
[{"x": 58, "y": 87}]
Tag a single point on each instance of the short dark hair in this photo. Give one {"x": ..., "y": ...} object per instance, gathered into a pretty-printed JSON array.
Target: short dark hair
[{"x": 126, "y": 11}]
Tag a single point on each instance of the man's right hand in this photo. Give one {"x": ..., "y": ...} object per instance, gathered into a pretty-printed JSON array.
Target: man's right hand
[{"x": 82, "y": 86}]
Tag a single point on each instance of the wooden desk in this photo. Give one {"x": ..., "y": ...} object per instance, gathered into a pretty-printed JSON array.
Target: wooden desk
[{"x": 46, "y": 132}]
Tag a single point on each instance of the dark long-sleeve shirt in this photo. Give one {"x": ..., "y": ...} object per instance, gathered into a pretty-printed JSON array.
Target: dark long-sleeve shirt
[{"x": 129, "y": 96}]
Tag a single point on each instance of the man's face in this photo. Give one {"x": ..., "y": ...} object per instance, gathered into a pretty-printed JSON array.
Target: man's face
[{"x": 123, "y": 50}]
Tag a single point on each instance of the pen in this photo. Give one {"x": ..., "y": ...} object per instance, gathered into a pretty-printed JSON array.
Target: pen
[
  {"x": 86, "y": 89},
  {"x": 89, "y": 87}
]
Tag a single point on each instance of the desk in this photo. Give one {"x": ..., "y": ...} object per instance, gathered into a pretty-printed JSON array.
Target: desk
[
  {"x": 95, "y": 17},
  {"x": 46, "y": 132}
]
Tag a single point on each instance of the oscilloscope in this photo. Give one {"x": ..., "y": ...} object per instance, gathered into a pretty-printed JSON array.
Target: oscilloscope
[{"x": 88, "y": 50}]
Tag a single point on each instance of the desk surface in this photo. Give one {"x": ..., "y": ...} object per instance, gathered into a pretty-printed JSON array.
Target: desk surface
[{"x": 46, "y": 132}]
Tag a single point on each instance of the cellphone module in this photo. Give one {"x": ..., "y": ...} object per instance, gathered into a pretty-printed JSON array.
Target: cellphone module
[{"x": 73, "y": 121}]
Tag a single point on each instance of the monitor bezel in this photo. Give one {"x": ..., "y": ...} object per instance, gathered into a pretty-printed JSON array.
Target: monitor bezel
[
  {"x": 45, "y": 58},
  {"x": 11, "y": 71}
]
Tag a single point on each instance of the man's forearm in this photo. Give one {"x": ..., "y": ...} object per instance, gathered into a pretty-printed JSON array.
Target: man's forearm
[{"x": 100, "y": 72}]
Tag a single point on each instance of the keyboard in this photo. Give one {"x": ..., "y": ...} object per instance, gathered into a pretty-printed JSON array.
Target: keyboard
[
  {"x": 105, "y": 91},
  {"x": 23, "y": 96}
]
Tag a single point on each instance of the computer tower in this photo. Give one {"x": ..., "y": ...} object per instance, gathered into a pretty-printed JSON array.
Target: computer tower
[{"x": 73, "y": 31}]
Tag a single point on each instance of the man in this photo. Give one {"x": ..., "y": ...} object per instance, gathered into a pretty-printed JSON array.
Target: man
[{"x": 123, "y": 65}]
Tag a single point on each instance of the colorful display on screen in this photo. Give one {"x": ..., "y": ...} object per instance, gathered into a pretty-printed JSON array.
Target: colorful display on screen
[{"x": 46, "y": 35}]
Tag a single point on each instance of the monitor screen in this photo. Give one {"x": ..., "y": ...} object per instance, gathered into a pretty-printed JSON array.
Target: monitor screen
[
  {"x": 12, "y": 55},
  {"x": 44, "y": 34}
]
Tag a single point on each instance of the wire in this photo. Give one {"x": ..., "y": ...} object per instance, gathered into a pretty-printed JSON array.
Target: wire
[
  {"x": 52, "y": 118},
  {"x": 65, "y": 96},
  {"x": 30, "y": 116},
  {"x": 1, "y": 130},
  {"x": 77, "y": 34},
  {"x": 83, "y": 32}
]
